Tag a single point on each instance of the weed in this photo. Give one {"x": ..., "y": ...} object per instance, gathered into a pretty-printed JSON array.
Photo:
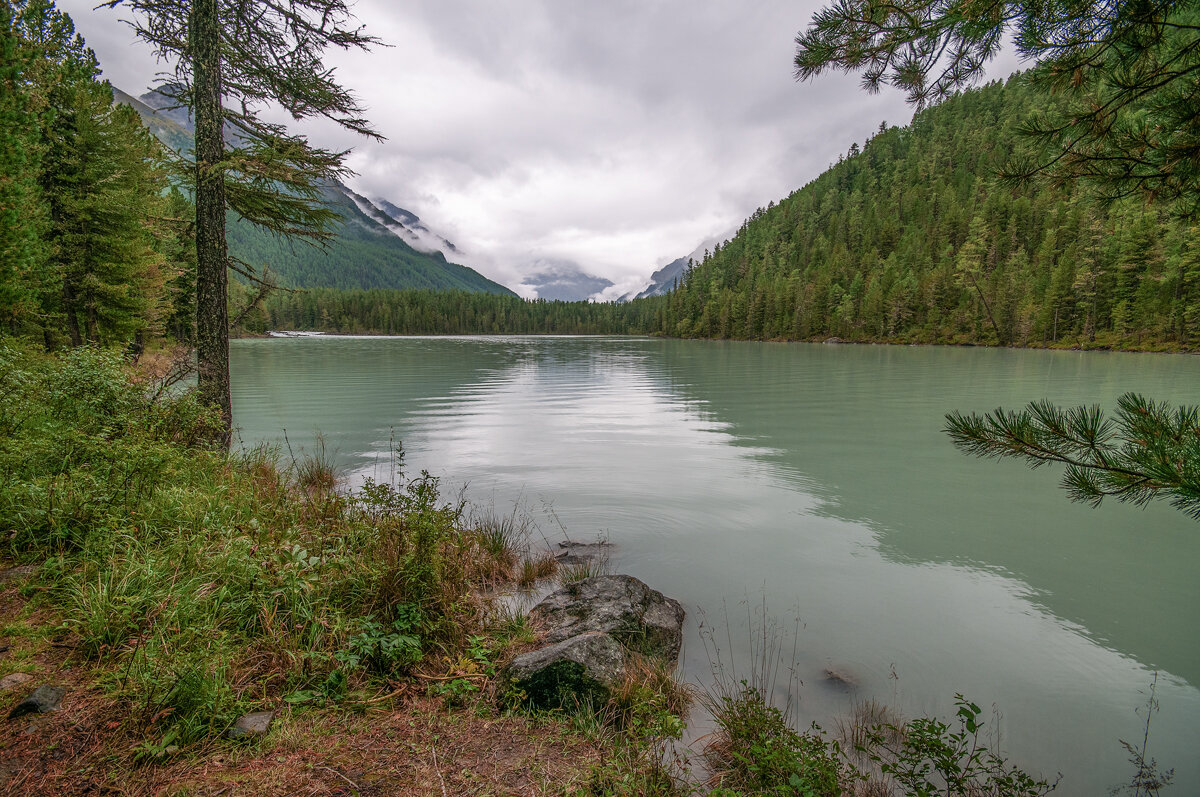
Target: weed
[
  {"x": 536, "y": 568},
  {"x": 574, "y": 573},
  {"x": 385, "y": 650},
  {"x": 928, "y": 756},
  {"x": 1147, "y": 779},
  {"x": 756, "y": 751},
  {"x": 502, "y": 537},
  {"x": 315, "y": 473}
]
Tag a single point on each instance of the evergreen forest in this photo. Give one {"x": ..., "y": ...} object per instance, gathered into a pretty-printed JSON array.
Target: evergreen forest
[{"x": 914, "y": 238}]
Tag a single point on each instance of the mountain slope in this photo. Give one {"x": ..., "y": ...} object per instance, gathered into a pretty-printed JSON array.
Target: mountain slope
[
  {"x": 915, "y": 238},
  {"x": 376, "y": 246},
  {"x": 666, "y": 278}
]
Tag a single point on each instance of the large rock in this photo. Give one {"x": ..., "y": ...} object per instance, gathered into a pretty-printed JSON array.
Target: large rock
[
  {"x": 43, "y": 700},
  {"x": 641, "y": 618},
  {"x": 573, "y": 672}
]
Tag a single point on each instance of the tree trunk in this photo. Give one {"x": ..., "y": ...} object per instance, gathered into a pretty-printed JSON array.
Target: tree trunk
[
  {"x": 72, "y": 319},
  {"x": 212, "y": 312}
]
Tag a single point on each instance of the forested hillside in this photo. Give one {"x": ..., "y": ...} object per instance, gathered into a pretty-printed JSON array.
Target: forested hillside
[
  {"x": 366, "y": 252},
  {"x": 914, "y": 238},
  {"x": 364, "y": 255}
]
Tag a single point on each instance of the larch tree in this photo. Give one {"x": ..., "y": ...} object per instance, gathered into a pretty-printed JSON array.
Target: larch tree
[{"x": 233, "y": 59}]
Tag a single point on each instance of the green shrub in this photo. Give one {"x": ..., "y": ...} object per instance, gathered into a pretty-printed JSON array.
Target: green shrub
[
  {"x": 756, "y": 751},
  {"x": 386, "y": 650},
  {"x": 927, "y": 756}
]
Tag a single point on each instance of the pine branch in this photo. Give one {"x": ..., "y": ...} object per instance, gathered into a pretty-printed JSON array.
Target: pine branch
[{"x": 1147, "y": 451}]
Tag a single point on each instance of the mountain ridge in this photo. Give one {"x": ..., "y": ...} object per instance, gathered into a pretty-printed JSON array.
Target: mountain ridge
[{"x": 374, "y": 247}]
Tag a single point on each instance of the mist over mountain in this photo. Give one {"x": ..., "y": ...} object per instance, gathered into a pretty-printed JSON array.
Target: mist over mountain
[
  {"x": 666, "y": 278},
  {"x": 563, "y": 280},
  {"x": 378, "y": 245}
]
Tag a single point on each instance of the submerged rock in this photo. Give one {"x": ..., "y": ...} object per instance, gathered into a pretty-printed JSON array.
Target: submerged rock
[
  {"x": 840, "y": 678},
  {"x": 253, "y": 724},
  {"x": 580, "y": 553},
  {"x": 576, "y": 671},
  {"x": 44, "y": 699},
  {"x": 641, "y": 618}
]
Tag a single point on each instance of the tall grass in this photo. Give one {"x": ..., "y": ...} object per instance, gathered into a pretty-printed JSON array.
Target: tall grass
[{"x": 204, "y": 583}]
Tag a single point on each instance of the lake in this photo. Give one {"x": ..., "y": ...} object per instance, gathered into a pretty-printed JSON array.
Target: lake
[{"x": 815, "y": 480}]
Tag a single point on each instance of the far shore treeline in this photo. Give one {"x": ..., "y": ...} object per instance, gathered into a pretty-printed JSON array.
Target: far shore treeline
[{"x": 912, "y": 238}]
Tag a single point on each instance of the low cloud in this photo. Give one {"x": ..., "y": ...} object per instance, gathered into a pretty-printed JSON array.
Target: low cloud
[{"x": 615, "y": 136}]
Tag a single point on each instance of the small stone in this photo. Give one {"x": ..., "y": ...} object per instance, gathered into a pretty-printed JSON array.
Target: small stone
[
  {"x": 253, "y": 724},
  {"x": 44, "y": 699},
  {"x": 14, "y": 679}
]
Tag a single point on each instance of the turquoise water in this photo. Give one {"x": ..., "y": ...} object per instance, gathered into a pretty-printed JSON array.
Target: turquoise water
[{"x": 815, "y": 479}]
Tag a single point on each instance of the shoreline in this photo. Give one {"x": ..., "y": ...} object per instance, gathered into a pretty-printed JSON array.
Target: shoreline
[{"x": 1099, "y": 349}]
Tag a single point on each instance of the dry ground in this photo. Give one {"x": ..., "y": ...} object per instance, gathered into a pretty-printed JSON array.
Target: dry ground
[{"x": 410, "y": 744}]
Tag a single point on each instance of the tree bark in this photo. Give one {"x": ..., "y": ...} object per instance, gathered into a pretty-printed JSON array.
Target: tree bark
[
  {"x": 212, "y": 311},
  {"x": 69, "y": 307}
]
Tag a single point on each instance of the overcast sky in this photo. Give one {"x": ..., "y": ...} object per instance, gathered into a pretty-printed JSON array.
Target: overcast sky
[{"x": 614, "y": 135}]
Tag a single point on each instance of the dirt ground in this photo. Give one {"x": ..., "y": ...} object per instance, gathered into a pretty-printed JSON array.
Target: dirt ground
[{"x": 409, "y": 744}]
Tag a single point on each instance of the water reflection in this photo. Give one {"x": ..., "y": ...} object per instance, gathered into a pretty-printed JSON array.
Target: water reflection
[{"x": 815, "y": 478}]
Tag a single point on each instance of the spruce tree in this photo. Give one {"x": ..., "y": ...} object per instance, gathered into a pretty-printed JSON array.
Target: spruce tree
[
  {"x": 232, "y": 59},
  {"x": 21, "y": 217}
]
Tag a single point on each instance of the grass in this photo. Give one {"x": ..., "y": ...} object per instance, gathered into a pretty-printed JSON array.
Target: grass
[
  {"x": 200, "y": 584},
  {"x": 536, "y": 567},
  {"x": 578, "y": 571}
]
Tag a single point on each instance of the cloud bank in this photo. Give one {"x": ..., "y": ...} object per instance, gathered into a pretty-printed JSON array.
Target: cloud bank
[{"x": 615, "y": 136}]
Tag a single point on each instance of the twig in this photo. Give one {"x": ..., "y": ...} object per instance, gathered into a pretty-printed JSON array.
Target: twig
[
  {"x": 381, "y": 698},
  {"x": 353, "y": 785},
  {"x": 438, "y": 771},
  {"x": 448, "y": 677}
]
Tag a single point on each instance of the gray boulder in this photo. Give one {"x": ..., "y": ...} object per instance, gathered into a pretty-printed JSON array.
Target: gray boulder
[
  {"x": 248, "y": 725},
  {"x": 572, "y": 672},
  {"x": 44, "y": 699},
  {"x": 641, "y": 618}
]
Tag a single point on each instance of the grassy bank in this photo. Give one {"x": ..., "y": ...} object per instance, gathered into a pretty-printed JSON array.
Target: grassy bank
[{"x": 171, "y": 588}]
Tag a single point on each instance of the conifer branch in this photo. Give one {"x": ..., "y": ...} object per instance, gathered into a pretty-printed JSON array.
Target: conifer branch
[{"x": 1147, "y": 451}]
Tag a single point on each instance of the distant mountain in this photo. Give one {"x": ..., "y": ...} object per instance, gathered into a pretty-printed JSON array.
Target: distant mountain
[
  {"x": 664, "y": 280},
  {"x": 563, "y": 280},
  {"x": 379, "y": 245},
  {"x": 163, "y": 124}
]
